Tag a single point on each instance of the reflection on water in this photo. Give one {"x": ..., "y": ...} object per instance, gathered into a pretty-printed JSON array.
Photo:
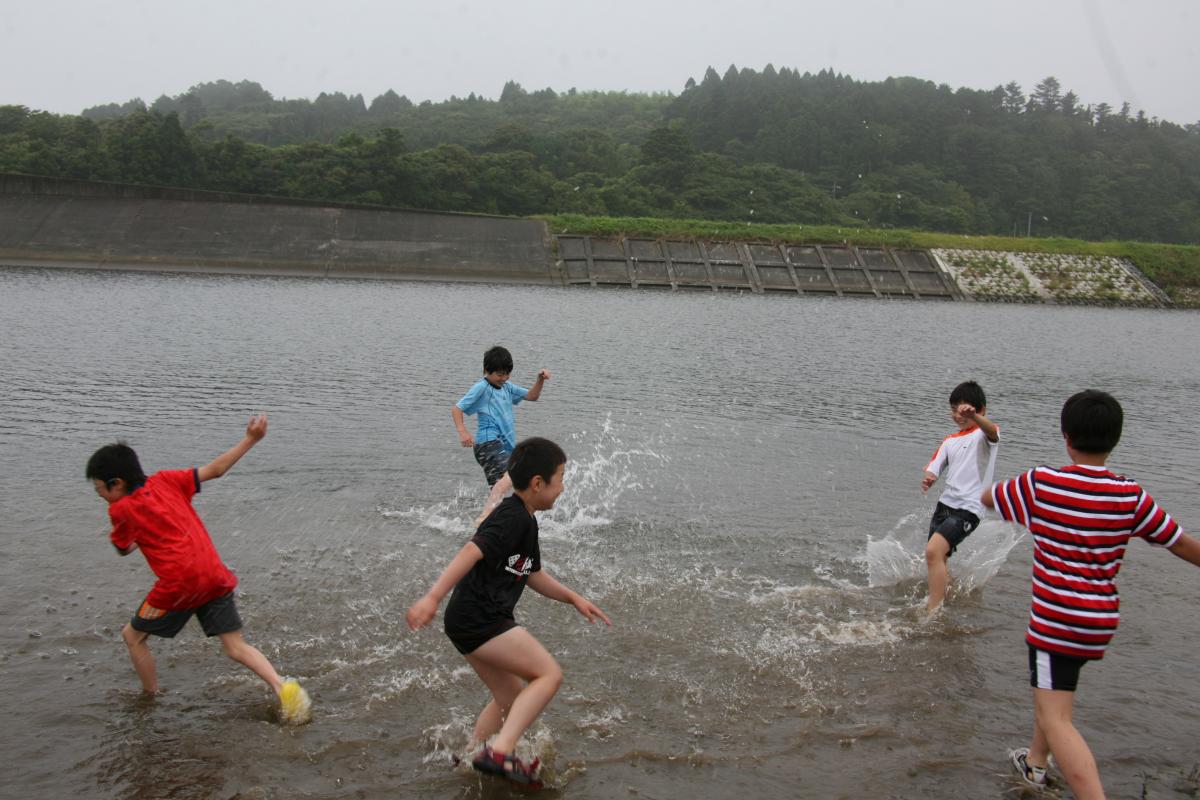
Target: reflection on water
[{"x": 742, "y": 499}]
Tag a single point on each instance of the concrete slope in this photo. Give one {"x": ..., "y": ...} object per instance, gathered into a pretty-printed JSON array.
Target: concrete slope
[{"x": 83, "y": 224}]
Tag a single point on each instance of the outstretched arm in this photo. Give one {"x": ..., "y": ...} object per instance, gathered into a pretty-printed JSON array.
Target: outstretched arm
[
  {"x": 536, "y": 391},
  {"x": 1187, "y": 548},
  {"x": 987, "y": 499},
  {"x": 256, "y": 429},
  {"x": 421, "y": 612},
  {"x": 986, "y": 425},
  {"x": 544, "y": 584}
]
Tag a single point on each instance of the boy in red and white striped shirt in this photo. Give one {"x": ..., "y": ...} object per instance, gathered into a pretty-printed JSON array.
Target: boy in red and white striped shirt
[{"x": 1081, "y": 517}]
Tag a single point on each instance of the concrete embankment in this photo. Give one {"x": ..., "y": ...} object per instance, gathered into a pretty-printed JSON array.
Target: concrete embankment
[
  {"x": 51, "y": 222},
  {"x": 62, "y": 223}
]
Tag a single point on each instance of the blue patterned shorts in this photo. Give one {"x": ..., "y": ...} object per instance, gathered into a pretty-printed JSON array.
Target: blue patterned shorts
[{"x": 493, "y": 457}]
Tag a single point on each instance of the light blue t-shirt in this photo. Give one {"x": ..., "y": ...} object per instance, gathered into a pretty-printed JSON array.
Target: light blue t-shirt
[{"x": 495, "y": 409}]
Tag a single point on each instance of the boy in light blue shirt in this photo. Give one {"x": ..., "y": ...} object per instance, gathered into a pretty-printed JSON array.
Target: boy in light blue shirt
[{"x": 492, "y": 399}]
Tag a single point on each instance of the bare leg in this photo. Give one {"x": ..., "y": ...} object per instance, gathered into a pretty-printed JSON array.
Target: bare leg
[
  {"x": 937, "y": 550},
  {"x": 234, "y": 646},
  {"x": 504, "y": 687},
  {"x": 142, "y": 658},
  {"x": 518, "y": 654},
  {"x": 500, "y": 490},
  {"x": 1052, "y": 716}
]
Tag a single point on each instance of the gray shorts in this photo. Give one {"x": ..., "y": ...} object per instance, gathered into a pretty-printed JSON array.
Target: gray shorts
[{"x": 493, "y": 457}]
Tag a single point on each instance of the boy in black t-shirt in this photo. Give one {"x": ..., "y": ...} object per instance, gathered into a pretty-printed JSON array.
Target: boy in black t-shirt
[{"x": 488, "y": 576}]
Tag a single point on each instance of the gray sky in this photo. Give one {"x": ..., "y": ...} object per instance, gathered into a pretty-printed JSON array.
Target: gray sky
[{"x": 66, "y": 55}]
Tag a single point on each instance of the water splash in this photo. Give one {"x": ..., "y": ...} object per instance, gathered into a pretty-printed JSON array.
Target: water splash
[
  {"x": 450, "y": 743},
  {"x": 601, "y": 469},
  {"x": 595, "y": 481},
  {"x": 900, "y": 555},
  {"x": 453, "y": 516}
]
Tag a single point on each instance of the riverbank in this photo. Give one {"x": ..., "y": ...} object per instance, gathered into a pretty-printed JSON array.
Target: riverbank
[
  {"x": 1173, "y": 268},
  {"x": 49, "y": 222}
]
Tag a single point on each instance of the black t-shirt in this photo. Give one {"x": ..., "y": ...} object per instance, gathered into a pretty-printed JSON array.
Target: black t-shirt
[{"x": 486, "y": 595}]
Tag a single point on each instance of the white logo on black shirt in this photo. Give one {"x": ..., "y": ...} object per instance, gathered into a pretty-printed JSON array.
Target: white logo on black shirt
[{"x": 519, "y": 565}]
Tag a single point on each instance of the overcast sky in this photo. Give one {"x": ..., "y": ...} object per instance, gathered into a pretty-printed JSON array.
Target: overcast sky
[{"x": 67, "y": 55}]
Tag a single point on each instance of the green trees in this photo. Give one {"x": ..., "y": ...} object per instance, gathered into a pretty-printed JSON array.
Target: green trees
[{"x": 770, "y": 146}]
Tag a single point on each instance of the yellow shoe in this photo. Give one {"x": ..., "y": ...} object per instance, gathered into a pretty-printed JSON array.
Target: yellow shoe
[{"x": 294, "y": 706}]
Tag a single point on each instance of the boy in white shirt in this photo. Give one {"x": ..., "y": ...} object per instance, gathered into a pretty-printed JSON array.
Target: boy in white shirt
[{"x": 969, "y": 458}]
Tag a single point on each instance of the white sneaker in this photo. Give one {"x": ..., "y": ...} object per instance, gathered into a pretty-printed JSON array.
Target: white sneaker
[{"x": 1033, "y": 776}]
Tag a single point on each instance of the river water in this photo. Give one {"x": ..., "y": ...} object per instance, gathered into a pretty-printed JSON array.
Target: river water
[{"x": 742, "y": 499}]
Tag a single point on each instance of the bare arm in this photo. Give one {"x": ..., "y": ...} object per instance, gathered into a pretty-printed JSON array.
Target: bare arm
[
  {"x": 986, "y": 425},
  {"x": 256, "y": 429},
  {"x": 536, "y": 392},
  {"x": 421, "y": 612},
  {"x": 464, "y": 435},
  {"x": 1187, "y": 548},
  {"x": 546, "y": 585},
  {"x": 928, "y": 480},
  {"x": 986, "y": 498}
]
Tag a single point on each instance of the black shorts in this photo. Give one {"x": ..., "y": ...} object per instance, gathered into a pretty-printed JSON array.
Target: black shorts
[
  {"x": 954, "y": 524},
  {"x": 469, "y": 643},
  {"x": 493, "y": 457},
  {"x": 216, "y": 617},
  {"x": 1054, "y": 671}
]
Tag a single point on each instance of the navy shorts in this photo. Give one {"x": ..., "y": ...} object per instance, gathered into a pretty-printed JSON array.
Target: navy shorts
[
  {"x": 216, "y": 617},
  {"x": 1054, "y": 671},
  {"x": 954, "y": 524},
  {"x": 493, "y": 457}
]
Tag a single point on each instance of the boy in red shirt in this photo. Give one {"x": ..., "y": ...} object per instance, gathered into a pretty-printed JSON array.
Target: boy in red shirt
[
  {"x": 1081, "y": 517},
  {"x": 155, "y": 515}
]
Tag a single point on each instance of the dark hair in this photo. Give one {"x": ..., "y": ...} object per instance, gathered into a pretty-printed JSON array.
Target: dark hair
[
  {"x": 497, "y": 359},
  {"x": 1092, "y": 421},
  {"x": 969, "y": 392},
  {"x": 116, "y": 461},
  {"x": 534, "y": 456}
]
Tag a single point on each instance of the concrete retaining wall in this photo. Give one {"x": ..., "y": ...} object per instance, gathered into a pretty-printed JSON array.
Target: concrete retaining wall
[
  {"x": 754, "y": 267},
  {"x": 48, "y": 222},
  {"x": 82, "y": 224}
]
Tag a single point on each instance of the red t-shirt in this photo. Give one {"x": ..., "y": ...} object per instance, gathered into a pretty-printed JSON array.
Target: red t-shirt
[{"x": 159, "y": 518}]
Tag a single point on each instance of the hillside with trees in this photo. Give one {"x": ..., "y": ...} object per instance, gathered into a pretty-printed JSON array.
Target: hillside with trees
[{"x": 770, "y": 146}]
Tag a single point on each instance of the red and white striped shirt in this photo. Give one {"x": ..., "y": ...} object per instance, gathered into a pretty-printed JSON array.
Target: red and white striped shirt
[{"x": 1081, "y": 518}]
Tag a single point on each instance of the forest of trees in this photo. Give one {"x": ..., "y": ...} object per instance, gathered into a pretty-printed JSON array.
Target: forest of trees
[{"x": 756, "y": 146}]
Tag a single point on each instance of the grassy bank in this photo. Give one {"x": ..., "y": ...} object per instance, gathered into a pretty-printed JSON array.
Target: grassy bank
[{"x": 1175, "y": 268}]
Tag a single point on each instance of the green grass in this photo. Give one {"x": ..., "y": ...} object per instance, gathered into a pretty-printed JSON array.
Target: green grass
[{"x": 1175, "y": 268}]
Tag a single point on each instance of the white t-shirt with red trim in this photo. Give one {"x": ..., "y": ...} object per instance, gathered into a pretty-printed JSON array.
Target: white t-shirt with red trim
[{"x": 969, "y": 460}]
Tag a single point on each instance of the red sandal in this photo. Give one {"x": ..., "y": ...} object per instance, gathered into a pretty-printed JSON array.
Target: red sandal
[{"x": 507, "y": 766}]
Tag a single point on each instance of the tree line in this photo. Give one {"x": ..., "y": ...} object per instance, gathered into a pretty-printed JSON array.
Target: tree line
[{"x": 770, "y": 146}]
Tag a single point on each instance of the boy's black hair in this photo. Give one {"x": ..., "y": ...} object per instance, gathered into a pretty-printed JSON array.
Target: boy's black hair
[
  {"x": 969, "y": 392},
  {"x": 534, "y": 456},
  {"x": 1092, "y": 421},
  {"x": 497, "y": 359},
  {"x": 116, "y": 461}
]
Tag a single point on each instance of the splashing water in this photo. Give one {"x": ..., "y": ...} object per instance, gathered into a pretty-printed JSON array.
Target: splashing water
[
  {"x": 453, "y": 516},
  {"x": 900, "y": 555},
  {"x": 595, "y": 481},
  {"x": 451, "y": 743}
]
